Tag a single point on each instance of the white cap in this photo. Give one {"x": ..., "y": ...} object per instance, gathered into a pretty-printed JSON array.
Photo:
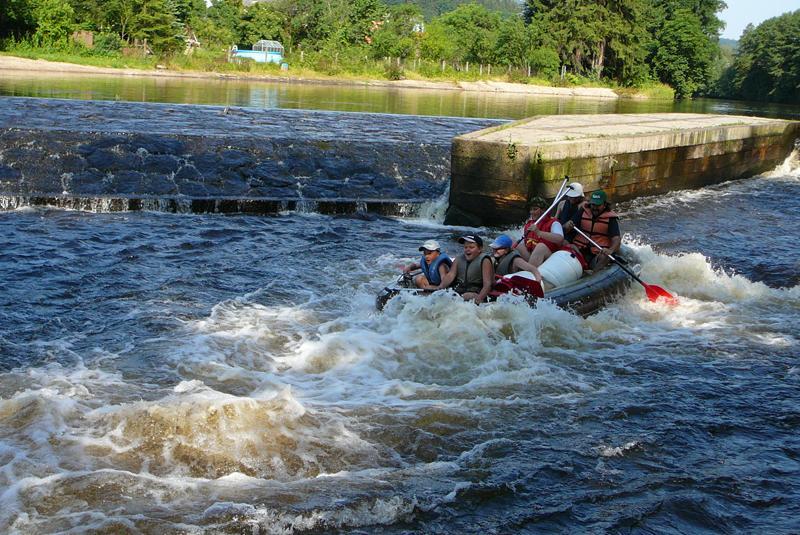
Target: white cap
[
  {"x": 430, "y": 245},
  {"x": 575, "y": 190}
]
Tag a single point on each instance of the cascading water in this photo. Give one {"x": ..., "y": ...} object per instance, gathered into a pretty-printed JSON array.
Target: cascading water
[
  {"x": 163, "y": 371},
  {"x": 203, "y": 373}
]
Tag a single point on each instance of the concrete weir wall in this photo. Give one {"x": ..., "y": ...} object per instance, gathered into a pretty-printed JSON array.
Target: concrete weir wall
[
  {"x": 109, "y": 156},
  {"x": 496, "y": 170}
]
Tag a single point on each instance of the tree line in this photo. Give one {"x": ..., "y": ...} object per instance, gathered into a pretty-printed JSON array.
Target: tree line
[
  {"x": 766, "y": 64},
  {"x": 623, "y": 42}
]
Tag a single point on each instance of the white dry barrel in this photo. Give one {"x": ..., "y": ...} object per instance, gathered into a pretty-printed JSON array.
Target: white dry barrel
[{"x": 560, "y": 269}]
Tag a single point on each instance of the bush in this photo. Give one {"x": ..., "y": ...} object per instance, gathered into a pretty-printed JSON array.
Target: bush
[
  {"x": 107, "y": 44},
  {"x": 544, "y": 62},
  {"x": 394, "y": 71}
]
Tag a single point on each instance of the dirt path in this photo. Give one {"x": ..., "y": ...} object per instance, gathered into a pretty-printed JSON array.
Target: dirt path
[{"x": 33, "y": 66}]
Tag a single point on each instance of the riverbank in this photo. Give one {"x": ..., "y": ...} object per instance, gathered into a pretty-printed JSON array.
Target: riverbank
[{"x": 15, "y": 63}]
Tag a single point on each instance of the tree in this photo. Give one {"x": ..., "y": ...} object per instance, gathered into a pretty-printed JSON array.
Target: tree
[
  {"x": 53, "y": 21},
  {"x": 154, "y": 20},
  {"x": 16, "y": 19},
  {"x": 262, "y": 21},
  {"x": 395, "y": 36},
  {"x": 767, "y": 64},
  {"x": 474, "y": 31},
  {"x": 590, "y": 35},
  {"x": 513, "y": 45},
  {"x": 685, "y": 55},
  {"x": 225, "y": 18}
]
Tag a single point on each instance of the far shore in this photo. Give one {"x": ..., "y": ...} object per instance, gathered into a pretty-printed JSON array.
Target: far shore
[{"x": 34, "y": 66}]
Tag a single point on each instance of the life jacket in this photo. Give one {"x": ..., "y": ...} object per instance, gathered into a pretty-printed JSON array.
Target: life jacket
[
  {"x": 504, "y": 266},
  {"x": 596, "y": 229},
  {"x": 531, "y": 239},
  {"x": 431, "y": 271},
  {"x": 469, "y": 277}
]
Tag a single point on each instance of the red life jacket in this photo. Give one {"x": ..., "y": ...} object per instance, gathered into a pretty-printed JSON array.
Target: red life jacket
[
  {"x": 596, "y": 229},
  {"x": 531, "y": 239}
]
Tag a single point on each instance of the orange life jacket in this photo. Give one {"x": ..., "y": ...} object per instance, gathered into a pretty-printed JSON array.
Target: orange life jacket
[
  {"x": 597, "y": 229},
  {"x": 531, "y": 239}
]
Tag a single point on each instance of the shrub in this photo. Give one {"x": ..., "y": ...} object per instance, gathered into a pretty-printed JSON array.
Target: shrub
[
  {"x": 394, "y": 71},
  {"x": 107, "y": 44}
]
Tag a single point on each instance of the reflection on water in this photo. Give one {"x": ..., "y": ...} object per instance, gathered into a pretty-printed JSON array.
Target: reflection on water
[{"x": 353, "y": 97}]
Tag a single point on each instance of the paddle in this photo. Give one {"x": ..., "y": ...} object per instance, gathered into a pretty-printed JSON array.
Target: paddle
[
  {"x": 654, "y": 293},
  {"x": 562, "y": 192}
]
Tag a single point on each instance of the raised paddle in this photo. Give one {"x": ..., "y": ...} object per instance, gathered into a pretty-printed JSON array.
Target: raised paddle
[
  {"x": 654, "y": 293},
  {"x": 562, "y": 192}
]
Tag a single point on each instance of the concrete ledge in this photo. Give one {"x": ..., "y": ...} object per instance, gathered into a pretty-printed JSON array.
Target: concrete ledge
[{"x": 496, "y": 170}]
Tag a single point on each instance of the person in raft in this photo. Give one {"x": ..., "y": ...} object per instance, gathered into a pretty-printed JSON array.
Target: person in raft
[
  {"x": 601, "y": 224},
  {"x": 539, "y": 241},
  {"x": 568, "y": 207},
  {"x": 507, "y": 260},
  {"x": 472, "y": 271},
  {"x": 434, "y": 265}
]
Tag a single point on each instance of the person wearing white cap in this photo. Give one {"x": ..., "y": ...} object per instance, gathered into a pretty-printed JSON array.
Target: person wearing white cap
[
  {"x": 472, "y": 271},
  {"x": 570, "y": 206},
  {"x": 434, "y": 265}
]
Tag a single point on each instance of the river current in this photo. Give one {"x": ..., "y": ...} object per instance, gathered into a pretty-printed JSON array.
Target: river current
[
  {"x": 179, "y": 373},
  {"x": 169, "y": 373}
]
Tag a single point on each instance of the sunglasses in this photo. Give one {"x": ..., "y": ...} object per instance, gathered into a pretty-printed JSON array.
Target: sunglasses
[{"x": 427, "y": 252}]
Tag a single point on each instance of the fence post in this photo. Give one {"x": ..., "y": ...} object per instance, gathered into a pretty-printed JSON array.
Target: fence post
[
  {"x": 468, "y": 66},
  {"x": 490, "y": 69},
  {"x": 442, "y": 65}
]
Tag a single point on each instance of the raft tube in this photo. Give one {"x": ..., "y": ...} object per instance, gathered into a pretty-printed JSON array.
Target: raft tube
[{"x": 584, "y": 296}]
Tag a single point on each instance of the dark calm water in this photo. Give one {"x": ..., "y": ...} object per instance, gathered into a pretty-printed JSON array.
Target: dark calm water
[{"x": 165, "y": 373}]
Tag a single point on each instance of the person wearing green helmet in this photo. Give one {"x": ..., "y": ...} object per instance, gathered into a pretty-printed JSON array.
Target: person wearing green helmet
[{"x": 601, "y": 224}]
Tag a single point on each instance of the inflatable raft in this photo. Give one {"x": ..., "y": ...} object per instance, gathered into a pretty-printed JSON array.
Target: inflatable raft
[{"x": 583, "y": 296}]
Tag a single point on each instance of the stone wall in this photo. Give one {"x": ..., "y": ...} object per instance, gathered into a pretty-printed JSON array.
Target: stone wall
[
  {"x": 209, "y": 158},
  {"x": 495, "y": 171}
]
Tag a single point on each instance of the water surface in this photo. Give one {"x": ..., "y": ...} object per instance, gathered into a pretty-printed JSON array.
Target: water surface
[
  {"x": 338, "y": 97},
  {"x": 166, "y": 373}
]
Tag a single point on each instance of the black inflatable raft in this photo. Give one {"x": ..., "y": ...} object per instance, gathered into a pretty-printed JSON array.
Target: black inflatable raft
[{"x": 585, "y": 296}]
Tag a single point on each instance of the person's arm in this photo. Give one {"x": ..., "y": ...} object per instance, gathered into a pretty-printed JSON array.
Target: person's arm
[
  {"x": 616, "y": 238},
  {"x": 560, "y": 208},
  {"x": 556, "y": 235},
  {"x": 487, "y": 272},
  {"x": 448, "y": 277},
  {"x": 521, "y": 265},
  {"x": 411, "y": 267}
]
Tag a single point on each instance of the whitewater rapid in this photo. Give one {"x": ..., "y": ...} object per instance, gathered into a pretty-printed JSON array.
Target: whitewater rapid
[{"x": 203, "y": 374}]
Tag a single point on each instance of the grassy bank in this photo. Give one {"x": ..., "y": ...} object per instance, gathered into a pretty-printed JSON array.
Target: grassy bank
[{"x": 315, "y": 65}]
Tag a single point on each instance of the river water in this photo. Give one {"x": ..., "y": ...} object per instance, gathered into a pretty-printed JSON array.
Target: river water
[{"x": 164, "y": 373}]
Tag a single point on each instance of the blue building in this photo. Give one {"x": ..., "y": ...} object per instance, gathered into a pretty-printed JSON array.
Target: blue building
[{"x": 263, "y": 52}]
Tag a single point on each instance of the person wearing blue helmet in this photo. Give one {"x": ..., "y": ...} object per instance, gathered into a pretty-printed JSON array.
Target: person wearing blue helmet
[{"x": 507, "y": 260}]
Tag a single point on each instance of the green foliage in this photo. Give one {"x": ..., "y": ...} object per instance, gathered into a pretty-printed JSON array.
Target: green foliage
[
  {"x": 544, "y": 62},
  {"x": 619, "y": 42},
  {"x": 473, "y": 32},
  {"x": 262, "y": 21},
  {"x": 107, "y": 44},
  {"x": 434, "y": 8},
  {"x": 154, "y": 20},
  {"x": 685, "y": 55},
  {"x": 767, "y": 64},
  {"x": 53, "y": 21},
  {"x": 394, "y": 71}
]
